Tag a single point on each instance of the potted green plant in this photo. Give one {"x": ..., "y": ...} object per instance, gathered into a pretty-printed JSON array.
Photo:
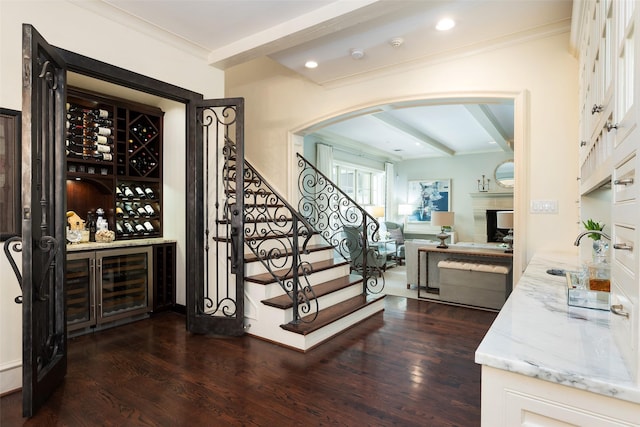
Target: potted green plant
[
  {"x": 592, "y": 225},
  {"x": 600, "y": 247}
]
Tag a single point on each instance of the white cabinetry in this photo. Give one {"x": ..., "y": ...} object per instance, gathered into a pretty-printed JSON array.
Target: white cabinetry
[
  {"x": 610, "y": 95},
  {"x": 518, "y": 400}
]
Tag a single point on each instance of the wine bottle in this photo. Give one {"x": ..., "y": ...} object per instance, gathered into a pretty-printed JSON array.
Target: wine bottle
[
  {"x": 149, "y": 227},
  {"x": 119, "y": 211},
  {"x": 127, "y": 191},
  {"x": 129, "y": 227},
  {"x": 141, "y": 211},
  {"x": 79, "y": 137},
  {"x": 119, "y": 229},
  {"x": 139, "y": 227},
  {"x": 139, "y": 191},
  {"x": 149, "y": 192},
  {"x": 149, "y": 210},
  {"x": 118, "y": 192},
  {"x": 101, "y": 148},
  {"x": 107, "y": 157},
  {"x": 97, "y": 113},
  {"x": 102, "y": 130},
  {"x": 131, "y": 213},
  {"x": 92, "y": 226}
]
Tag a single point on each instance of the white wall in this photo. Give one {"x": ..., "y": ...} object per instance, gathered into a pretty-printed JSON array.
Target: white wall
[
  {"x": 279, "y": 102},
  {"x": 75, "y": 27}
]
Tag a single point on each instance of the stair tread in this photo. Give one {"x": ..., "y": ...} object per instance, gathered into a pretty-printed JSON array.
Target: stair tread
[
  {"x": 332, "y": 314},
  {"x": 251, "y": 257},
  {"x": 284, "y": 302},
  {"x": 267, "y": 278}
]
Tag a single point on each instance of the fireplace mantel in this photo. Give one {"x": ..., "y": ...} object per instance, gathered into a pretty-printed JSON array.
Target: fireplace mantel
[
  {"x": 481, "y": 202},
  {"x": 488, "y": 195}
]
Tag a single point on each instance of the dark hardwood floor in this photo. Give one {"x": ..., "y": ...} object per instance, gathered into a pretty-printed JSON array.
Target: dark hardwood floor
[{"x": 412, "y": 365}]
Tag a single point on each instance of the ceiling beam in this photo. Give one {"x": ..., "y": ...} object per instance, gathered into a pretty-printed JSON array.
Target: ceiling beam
[
  {"x": 355, "y": 147},
  {"x": 489, "y": 123},
  {"x": 407, "y": 129},
  {"x": 325, "y": 20}
]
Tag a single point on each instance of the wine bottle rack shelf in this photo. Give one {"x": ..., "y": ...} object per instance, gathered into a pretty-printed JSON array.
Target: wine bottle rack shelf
[{"x": 133, "y": 135}]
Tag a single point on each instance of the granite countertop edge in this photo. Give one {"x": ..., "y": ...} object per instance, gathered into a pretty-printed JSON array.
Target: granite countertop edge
[{"x": 538, "y": 335}]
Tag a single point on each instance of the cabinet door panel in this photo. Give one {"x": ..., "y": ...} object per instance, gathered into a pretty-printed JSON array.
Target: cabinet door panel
[
  {"x": 124, "y": 282},
  {"x": 527, "y": 410},
  {"x": 80, "y": 291}
]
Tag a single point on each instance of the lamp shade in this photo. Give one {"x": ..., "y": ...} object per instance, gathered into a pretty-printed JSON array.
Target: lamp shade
[
  {"x": 504, "y": 219},
  {"x": 377, "y": 211},
  {"x": 442, "y": 218},
  {"x": 405, "y": 209}
]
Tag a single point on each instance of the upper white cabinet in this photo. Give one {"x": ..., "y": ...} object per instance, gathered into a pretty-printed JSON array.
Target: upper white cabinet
[{"x": 609, "y": 140}]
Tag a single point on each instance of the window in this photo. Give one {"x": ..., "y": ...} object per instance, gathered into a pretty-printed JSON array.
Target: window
[{"x": 365, "y": 186}]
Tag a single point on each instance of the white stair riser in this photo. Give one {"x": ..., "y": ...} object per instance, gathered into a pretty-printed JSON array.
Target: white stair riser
[
  {"x": 257, "y": 267},
  {"x": 273, "y": 289},
  {"x": 266, "y": 329}
]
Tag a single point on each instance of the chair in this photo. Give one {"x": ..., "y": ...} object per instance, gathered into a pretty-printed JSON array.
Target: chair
[
  {"x": 354, "y": 240},
  {"x": 396, "y": 232}
]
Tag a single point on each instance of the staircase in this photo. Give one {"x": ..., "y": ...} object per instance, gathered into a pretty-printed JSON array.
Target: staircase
[
  {"x": 269, "y": 269},
  {"x": 299, "y": 288}
]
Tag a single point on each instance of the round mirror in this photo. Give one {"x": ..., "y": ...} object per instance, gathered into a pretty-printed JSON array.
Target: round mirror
[{"x": 504, "y": 174}]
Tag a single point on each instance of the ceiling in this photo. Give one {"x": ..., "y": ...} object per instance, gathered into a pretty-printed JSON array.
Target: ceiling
[{"x": 230, "y": 32}]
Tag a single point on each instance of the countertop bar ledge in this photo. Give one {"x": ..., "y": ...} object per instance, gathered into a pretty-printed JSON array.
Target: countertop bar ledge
[
  {"x": 76, "y": 247},
  {"x": 538, "y": 335}
]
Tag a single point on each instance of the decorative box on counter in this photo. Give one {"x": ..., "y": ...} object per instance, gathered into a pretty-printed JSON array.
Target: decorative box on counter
[{"x": 579, "y": 294}]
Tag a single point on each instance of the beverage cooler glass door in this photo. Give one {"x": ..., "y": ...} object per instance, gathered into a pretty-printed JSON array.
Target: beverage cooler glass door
[
  {"x": 80, "y": 290},
  {"x": 125, "y": 282}
]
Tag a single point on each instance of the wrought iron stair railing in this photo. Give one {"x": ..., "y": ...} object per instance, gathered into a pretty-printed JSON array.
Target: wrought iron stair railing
[
  {"x": 335, "y": 215},
  {"x": 277, "y": 235}
]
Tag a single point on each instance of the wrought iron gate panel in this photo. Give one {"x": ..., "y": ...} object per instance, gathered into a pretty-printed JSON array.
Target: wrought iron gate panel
[
  {"x": 219, "y": 301},
  {"x": 43, "y": 220}
]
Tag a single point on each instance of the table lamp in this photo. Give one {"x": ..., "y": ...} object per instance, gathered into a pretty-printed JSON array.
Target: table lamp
[
  {"x": 505, "y": 220},
  {"x": 443, "y": 219}
]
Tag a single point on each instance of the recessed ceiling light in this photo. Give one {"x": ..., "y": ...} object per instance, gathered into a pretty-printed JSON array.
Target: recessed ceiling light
[
  {"x": 445, "y": 24},
  {"x": 311, "y": 64},
  {"x": 357, "y": 53}
]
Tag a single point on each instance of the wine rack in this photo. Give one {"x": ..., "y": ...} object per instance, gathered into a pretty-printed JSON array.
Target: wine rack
[
  {"x": 89, "y": 139},
  {"x": 138, "y": 210},
  {"x": 139, "y": 144},
  {"x": 113, "y": 144}
]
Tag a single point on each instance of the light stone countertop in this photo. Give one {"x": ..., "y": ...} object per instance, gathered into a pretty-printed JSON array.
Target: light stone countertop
[
  {"x": 116, "y": 244},
  {"x": 538, "y": 335}
]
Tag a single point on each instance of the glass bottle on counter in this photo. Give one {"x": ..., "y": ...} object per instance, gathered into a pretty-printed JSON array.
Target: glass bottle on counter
[{"x": 91, "y": 225}]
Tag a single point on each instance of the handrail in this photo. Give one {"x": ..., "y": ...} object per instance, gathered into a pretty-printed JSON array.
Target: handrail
[
  {"x": 329, "y": 210},
  {"x": 268, "y": 214}
]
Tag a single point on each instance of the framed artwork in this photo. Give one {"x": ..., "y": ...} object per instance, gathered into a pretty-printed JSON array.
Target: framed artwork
[
  {"x": 10, "y": 169},
  {"x": 426, "y": 196}
]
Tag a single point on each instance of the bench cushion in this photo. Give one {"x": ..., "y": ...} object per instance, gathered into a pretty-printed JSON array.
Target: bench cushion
[{"x": 474, "y": 283}]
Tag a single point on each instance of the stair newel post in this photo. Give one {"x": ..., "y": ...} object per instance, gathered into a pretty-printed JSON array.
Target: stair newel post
[
  {"x": 365, "y": 249},
  {"x": 295, "y": 266}
]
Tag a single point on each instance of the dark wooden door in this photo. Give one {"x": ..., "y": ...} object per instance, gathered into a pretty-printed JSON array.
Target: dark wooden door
[
  {"x": 215, "y": 298},
  {"x": 44, "y": 356}
]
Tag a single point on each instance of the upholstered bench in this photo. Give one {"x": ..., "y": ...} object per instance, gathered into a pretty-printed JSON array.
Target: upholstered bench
[{"x": 474, "y": 283}]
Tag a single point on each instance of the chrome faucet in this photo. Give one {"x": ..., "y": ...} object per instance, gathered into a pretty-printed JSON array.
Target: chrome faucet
[{"x": 584, "y": 233}]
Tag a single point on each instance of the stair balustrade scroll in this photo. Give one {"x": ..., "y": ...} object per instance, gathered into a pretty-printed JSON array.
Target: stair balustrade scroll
[
  {"x": 277, "y": 235},
  {"x": 332, "y": 213}
]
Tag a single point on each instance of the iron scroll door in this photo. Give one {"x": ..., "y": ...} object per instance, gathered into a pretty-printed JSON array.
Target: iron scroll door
[
  {"x": 215, "y": 302},
  {"x": 44, "y": 358}
]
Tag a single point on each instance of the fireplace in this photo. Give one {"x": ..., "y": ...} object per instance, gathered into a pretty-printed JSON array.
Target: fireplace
[
  {"x": 494, "y": 234},
  {"x": 485, "y": 205}
]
